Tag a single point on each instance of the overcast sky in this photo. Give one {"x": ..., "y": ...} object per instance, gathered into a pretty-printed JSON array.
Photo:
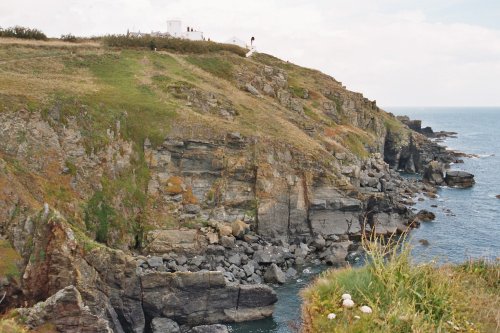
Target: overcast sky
[{"x": 399, "y": 52}]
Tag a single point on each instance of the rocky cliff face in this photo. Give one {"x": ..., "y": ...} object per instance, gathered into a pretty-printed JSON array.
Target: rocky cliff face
[{"x": 157, "y": 186}]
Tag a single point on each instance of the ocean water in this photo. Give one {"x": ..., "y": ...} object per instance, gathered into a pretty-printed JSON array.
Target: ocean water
[{"x": 467, "y": 223}]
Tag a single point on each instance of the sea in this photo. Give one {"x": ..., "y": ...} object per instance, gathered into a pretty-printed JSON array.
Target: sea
[{"x": 467, "y": 223}]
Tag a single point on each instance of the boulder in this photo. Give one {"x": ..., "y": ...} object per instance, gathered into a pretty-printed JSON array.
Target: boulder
[
  {"x": 268, "y": 255},
  {"x": 164, "y": 325},
  {"x": 251, "y": 89},
  {"x": 225, "y": 230},
  {"x": 166, "y": 241},
  {"x": 227, "y": 241},
  {"x": 425, "y": 216},
  {"x": 155, "y": 261},
  {"x": 290, "y": 273},
  {"x": 212, "y": 238},
  {"x": 249, "y": 269},
  {"x": 239, "y": 228},
  {"x": 235, "y": 259},
  {"x": 434, "y": 173},
  {"x": 459, "y": 179},
  {"x": 217, "y": 328},
  {"x": 319, "y": 242},
  {"x": 192, "y": 209},
  {"x": 274, "y": 274}
]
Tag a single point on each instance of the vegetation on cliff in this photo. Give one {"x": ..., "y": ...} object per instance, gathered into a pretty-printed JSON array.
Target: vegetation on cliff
[
  {"x": 116, "y": 88},
  {"x": 405, "y": 297}
]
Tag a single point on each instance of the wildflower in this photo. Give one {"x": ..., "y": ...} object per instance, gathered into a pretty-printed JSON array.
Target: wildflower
[
  {"x": 366, "y": 309},
  {"x": 357, "y": 317},
  {"x": 346, "y": 296},
  {"x": 348, "y": 303},
  {"x": 331, "y": 316}
]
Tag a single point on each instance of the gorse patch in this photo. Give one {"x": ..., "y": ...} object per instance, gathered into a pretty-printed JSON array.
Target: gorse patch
[
  {"x": 171, "y": 44},
  {"x": 22, "y": 32}
]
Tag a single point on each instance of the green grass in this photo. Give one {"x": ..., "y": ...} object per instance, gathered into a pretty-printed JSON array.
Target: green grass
[
  {"x": 405, "y": 297},
  {"x": 8, "y": 262},
  {"x": 357, "y": 144},
  {"x": 213, "y": 65},
  {"x": 123, "y": 97}
]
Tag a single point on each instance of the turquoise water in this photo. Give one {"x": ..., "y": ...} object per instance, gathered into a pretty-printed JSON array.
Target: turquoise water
[
  {"x": 286, "y": 317},
  {"x": 467, "y": 221}
]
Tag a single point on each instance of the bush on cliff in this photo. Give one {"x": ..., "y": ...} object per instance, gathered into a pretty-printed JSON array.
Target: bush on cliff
[
  {"x": 171, "y": 44},
  {"x": 22, "y": 32},
  {"x": 405, "y": 297}
]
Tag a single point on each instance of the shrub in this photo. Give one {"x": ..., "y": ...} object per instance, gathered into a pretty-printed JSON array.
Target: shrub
[
  {"x": 22, "y": 32},
  {"x": 69, "y": 38},
  {"x": 171, "y": 44},
  {"x": 98, "y": 216}
]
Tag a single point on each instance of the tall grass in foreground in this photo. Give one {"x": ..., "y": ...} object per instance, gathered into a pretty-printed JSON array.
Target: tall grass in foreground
[{"x": 405, "y": 297}]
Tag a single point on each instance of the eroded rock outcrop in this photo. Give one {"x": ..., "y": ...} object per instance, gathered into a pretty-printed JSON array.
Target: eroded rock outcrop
[
  {"x": 460, "y": 179},
  {"x": 67, "y": 312},
  {"x": 204, "y": 297}
]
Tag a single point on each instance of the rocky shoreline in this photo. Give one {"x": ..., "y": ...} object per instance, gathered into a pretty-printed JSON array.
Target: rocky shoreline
[{"x": 218, "y": 273}]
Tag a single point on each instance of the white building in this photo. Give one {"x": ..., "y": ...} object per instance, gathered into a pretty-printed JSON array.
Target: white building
[
  {"x": 236, "y": 41},
  {"x": 174, "y": 29}
]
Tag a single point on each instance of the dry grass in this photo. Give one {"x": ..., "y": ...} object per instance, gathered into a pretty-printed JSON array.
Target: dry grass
[{"x": 48, "y": 43}]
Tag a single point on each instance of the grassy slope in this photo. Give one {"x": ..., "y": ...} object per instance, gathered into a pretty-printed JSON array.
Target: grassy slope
[
  {"x": 406, "y": 297},
  {"x": 98, "y": 86}
]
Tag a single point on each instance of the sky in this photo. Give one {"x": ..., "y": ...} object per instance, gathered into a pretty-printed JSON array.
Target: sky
[{"x": 398, "y": 52}]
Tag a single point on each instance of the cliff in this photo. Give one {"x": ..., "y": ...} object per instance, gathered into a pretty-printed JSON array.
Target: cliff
[{"x": 120, "y": 169}]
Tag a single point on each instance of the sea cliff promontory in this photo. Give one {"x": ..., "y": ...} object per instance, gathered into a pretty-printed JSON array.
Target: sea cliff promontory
[{"x": 144, "y": 185}]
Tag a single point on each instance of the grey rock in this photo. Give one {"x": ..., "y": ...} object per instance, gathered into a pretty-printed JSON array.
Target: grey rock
[
  {"x": 251, "y": 89},
  {"x": 256, "y": 278},
  {"x": 235, "y": 259},
  {"x": 274, "y": 274},
  {"x": 181, "y": 260},
  {"x": 319, "y": 242},
  {"x": 249, "y": 269},
  {"x": 164, "y": 325},
  {"x": 459, "y": 179},
  {"x": 290, "y": 272},
  {"x": 155, "y": 261},
  {"x": 197, "y": 260},
  {"x": 203, "y": 298},
  {"x": 217, "y": 328},
  {"x": 227, "y": 241},
  {"x": 192, "y": 209}
]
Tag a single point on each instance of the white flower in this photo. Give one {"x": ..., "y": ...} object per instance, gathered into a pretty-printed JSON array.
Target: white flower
[
  {"x": 357, "y": 317},
  {"x": 348, "y": 303},
  {"x": 331, "y": 316},
  {"x": 346, "y": 296},
  {"x": 366, "y": 309}
]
